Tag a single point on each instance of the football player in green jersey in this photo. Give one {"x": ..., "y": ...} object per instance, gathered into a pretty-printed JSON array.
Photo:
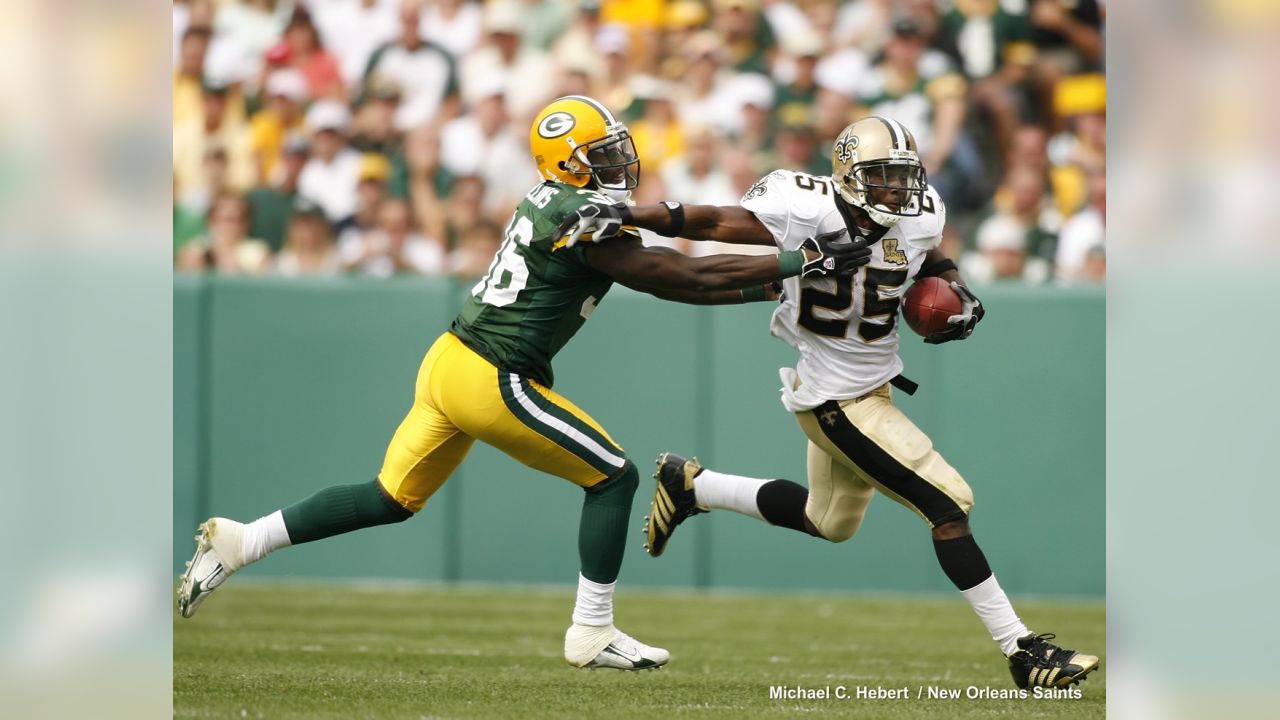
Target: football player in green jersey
[{"x": 489, "y": 376}]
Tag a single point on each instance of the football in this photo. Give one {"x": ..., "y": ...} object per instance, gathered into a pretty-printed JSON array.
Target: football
[{"x": 927, "y": 305}]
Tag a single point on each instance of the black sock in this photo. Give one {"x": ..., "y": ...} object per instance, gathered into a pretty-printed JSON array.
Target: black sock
[
  {"x": 962, "y": 560},
  {"x": 782, "y": 502},
  {"x": 341, "y": 509}
]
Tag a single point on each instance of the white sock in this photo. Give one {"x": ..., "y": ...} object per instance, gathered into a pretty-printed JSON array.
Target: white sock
[
  {"x": 595, "y": 602},
  {"x": 264, "y": 535},
  {"x": 992, "y": 606},
  {"x": 728, "y": 492}
]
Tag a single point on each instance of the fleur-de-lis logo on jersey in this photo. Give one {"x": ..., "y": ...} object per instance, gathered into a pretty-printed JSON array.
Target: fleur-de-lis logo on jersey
[
  {"x": 892, "y": 254},
  {"x": 845, "y": 147}
]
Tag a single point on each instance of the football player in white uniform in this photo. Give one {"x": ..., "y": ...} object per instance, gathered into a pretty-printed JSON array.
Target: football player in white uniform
[{"x": 846, "y": 331}]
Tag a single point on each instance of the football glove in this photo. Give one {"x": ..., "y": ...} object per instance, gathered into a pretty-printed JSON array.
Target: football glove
[
  {"x": 598, "y": 222},
  {"x": 962, "y": 325},
  {"x": 837, "y": 254}
]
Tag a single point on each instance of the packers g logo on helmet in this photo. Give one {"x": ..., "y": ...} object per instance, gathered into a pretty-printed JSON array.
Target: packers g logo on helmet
[
  {"x": 576, "y": 140},
  {"x": 556, "y": 124},
  {"x": 875, "y": 166}
]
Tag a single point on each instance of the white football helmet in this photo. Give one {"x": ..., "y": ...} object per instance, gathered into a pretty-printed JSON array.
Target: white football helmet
[{"x": 875, "y": 166}]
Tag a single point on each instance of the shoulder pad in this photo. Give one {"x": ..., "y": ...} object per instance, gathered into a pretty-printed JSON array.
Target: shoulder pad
[{"x": 925, "y": 231}]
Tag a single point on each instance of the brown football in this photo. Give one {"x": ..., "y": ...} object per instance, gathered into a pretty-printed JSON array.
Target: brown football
[{"x": 927, "y": 305}]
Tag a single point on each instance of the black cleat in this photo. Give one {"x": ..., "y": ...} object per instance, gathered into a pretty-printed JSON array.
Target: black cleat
[
  {"x": 673, "y": 500},
  {"x": 1039, "y": 662}
]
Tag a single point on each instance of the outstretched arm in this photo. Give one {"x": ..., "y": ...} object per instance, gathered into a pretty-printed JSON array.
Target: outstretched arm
[
  {"x": 729, "y": 224},
  {"x": 659, "y": 270},
  {"x": 721, "y": 223},
  {"x": 759, "y": 293}
]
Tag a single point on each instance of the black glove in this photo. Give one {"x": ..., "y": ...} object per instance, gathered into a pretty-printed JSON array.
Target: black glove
[
  {"x": 837, "y": 254},
  {"x": 601, "y": 221},
  {"x": 962, "y": 325}
]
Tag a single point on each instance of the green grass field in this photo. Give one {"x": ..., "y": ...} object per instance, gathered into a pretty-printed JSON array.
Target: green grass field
[{"x": 343, "y": 651}]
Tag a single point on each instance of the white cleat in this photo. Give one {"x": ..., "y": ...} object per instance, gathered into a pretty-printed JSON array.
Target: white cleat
[
  {"x": 218, "y": 555},
  {"x": 590, "y": 647}
]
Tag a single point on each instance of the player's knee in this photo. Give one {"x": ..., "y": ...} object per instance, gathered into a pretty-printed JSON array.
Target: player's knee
[
  {"x": 836, "y": 532},
  {"x": 952, "y": 529},
  {"x": 625, "y": 482}
]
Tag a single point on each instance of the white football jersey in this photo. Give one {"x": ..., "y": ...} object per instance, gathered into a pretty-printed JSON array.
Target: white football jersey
[{"x": 846, "y": 330}]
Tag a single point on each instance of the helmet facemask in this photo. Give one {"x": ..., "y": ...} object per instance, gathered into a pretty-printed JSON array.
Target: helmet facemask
[
  {"x": 888, "y": 190},
  {"x": 611, "y": 162}
]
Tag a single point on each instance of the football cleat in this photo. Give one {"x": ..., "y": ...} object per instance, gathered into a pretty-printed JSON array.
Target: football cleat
[
  {"x": 590, "y": 647},
  {"x": 1039, "y": 662},
  {"x": 673, "y": 500},
  {"x": 218, "y": 555}
]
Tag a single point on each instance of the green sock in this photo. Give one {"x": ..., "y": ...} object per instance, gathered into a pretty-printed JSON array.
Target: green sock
[
  {"x": 606, "y": 511},
  {"x": 341, "y": 509}
]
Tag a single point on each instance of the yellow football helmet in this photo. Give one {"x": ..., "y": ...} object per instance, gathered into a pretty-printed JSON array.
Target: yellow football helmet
[
  {"x": 576, "y": 140},
  {"x": 875, "y": 166}
]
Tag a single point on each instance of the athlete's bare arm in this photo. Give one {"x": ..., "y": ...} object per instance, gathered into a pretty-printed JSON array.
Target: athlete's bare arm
[
  {"x": 722, "y": 223},
  {"x": 710, "y": 297},
  {"x": 660, "y": 270}
]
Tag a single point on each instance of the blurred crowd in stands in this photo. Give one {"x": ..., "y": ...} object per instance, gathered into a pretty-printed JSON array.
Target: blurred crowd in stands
[{"x": 384, "y": 137}]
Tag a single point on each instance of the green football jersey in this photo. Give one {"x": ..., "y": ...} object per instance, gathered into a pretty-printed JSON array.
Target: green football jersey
[{"x": 537, "y": 292}]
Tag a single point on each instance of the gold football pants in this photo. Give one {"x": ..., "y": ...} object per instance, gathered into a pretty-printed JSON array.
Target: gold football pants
[
  {"x": 866, "y": 444},
  {"x": 460, "y": 397}
]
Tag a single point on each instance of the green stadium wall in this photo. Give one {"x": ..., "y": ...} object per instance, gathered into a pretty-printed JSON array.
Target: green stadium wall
[{"x": 285, "y": 387}]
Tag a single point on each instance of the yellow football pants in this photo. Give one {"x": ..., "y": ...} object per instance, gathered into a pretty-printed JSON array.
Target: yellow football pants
[{"x": 460, "y": 397}]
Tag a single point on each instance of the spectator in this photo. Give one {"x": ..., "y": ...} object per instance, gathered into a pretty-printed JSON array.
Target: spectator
[
  {"x": 613, "y": 43},
  {"x": 865, "y": 25},
  {"x": 1068, "y": 39},
  {"x": 707, "y": 95},
  {"x": 376, "y": 120},
  {"x": 302, "y": 50},
  {"x": 658, "y": 134},
  {"x": 213, "y": 130},
  {"x": 286, "y": 93},
  {"x": 484, "y": 143},
  {"x": 353, "y": 30},
  {"x": 188, "y": 74},
  {"x": 330, "y": 177},
  {"x": 1022, "y": 197},
  {"x": 796, "y": 74},
  {"x": 394, "y": 248},
  {"x": 1084, "y": 236},
  {"x": 454, "y": 25},
  {"x": 756, "y": 93},
  {"x": 526, "y": 70},
  {"x": 996, "y": 55},
  {"x": 371, "y": 191},
  {"x": 749, "y": 42},
  {"x": 919, "y": 88},
  {"x": 271, "y": 204},
  {"x": 694, "y": 176},
  {"x": 423, "y": 71},
  {"x": 1002, "y": 255},
  {"x": 227, "y": 249},
  {"x": 577, "y": 44},
  {"x": 796, "y": 145},
  {"x": 475, "y": 251},
  {"x": 544, "y": 21},
  {"x": 251, "y": 26},
  {"x": 310, "y": 249}
]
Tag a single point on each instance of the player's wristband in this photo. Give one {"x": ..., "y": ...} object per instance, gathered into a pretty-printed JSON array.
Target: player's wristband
[
  {"x": 754, "y": 294},
  {"x": 676, "y": 212},
  {"x": 937, "y": 268},
  {"x": 791, "y": 263}
]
